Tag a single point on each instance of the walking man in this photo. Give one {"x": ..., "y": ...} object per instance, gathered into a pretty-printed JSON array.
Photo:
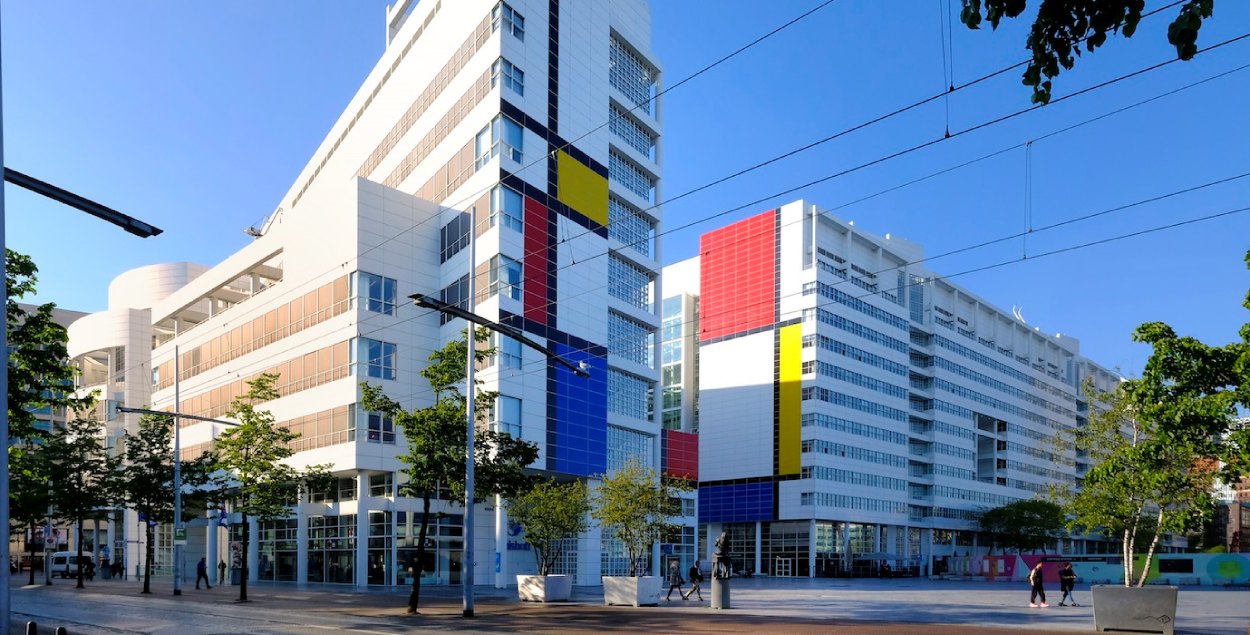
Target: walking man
[
  {"x": 1067, "y": 581},
  {"x": 1035, "y": 584},
  {"x": 675, "y": 581},
  {"x": 201, "y": 573},
  {"x": 696, "y": 580}
]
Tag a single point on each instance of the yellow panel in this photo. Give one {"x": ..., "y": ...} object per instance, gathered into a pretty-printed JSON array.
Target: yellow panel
[
  {"x": 581, "y": 188},
  {"x": 790, "y": 399}
]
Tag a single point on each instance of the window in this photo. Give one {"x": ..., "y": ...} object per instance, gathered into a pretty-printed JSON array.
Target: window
[
  {"x": 381, "y": 429},
  {"x": 629, "y": 283},
  {"x": 506, "y": 207},
  {"x": 377, "y": 292},
  {"x": 628, "y": 225},
  {"x": 507, "y": 416},
  {"x": 508, "y": 350},
  {"x": 512, "y": 77},
  {"x": 628, "y": 130},
  {"x": 456, "y": 294},
  {"x": 454, "y": 236},
  {"x": 632, "y": 76},
  {"x": 632, "y": 177},
  {"x": 501, "y": 135},
  {"x": 511, "y": 21},
  {"x": 379, "y": 358},
  {"x": 380, "y": 484},
  {"x": 505, "y": 277}
]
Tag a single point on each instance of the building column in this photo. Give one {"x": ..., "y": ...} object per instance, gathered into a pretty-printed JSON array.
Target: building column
[
  {"x": 846, "y": 545},
  {"x": 759, "y": 546},
  {"x": 210, "y": 543},
  {"x": 362, "y": 529},
  {"x": 301, "y": 540},
  {"x": 253, "y": 549},
  {"x": 393, "y": 575},
  {"x": 811, "y": 548},
  {"x": 501, "y": 544}
]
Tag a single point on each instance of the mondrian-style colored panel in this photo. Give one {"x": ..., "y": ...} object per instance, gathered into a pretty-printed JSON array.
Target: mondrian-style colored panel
[
  {"x": 789, "y": 398},
  {"x": 737, "y": 277},
  {"x": 680, "y": 454},
  {"x": 581, "y": 188},
  {"x": 736, "y": 503},
  {"x": 536, "y": 263},
  {"x": 577, "y": 432}
]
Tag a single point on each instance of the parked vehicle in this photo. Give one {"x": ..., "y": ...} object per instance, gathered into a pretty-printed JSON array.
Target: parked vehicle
[{"x": 65, "y": 564}]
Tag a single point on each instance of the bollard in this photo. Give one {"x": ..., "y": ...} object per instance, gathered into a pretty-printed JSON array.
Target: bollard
[
  {"x": 61, "y": 630},
  {"x": 32, "y": 628},
  {"x": 720, "y": 593}
]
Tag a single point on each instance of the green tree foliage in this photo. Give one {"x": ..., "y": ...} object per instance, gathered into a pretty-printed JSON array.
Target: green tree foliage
[
  {"x": 252, "y": 456},
  {"x": 29, "y": 495},
  {"x": 1023, "y": 525},
  {"x": 146, "y": 481},
  {"x": 1062, "y": 27},
  {"x": 549, "y": 514},
  {"x": 636, "y": 503},
  {"x": 39, "y": 371},
  {"x": 1145, "y": 481},
  {"x": 437, "y": 439},
  {"x": 82, "y": 475}
]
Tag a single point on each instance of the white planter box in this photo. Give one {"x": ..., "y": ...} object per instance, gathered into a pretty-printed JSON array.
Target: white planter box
[
  {"x": 627, "y": 591},
  {"x": 1121, "y": 608},
  {"x": 539, "y": 588}
]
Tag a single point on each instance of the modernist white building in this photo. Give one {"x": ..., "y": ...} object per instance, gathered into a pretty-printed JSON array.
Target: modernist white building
[
  {"x": 853, "y": 407},
  {"x": 531, "y": 124}
]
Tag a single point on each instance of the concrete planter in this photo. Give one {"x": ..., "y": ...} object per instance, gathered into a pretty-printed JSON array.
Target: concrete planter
[
  {"x": 1150, "y": 609},
  {"x": 544, "y": 588},
  {"x": 636, "y": 591}
]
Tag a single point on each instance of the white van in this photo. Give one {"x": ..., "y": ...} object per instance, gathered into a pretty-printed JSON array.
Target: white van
[{"x": 65, "y": 564}]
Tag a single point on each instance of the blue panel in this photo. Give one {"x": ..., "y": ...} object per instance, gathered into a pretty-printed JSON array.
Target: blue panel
[
  {"x": 740, "y": 502},
  {"x": 579, "y": 427}
]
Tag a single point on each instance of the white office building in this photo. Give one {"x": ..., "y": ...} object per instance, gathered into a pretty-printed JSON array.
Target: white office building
[{"x": 530, "y": 124}]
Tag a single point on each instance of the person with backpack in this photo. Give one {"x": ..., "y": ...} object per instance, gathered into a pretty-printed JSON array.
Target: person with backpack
[
  {"x": 696, "y": 579},
  {"x": 675, "y": 581},
  {"x": 1036, "y": 590},
  {"x": 1067, "y": 581}
]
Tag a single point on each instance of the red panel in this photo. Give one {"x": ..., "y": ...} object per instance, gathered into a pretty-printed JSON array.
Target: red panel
[
  {"x": 681, "y": 454},
  {"x": 534, "y": 265},
  {"x": 737, "y": 276}
]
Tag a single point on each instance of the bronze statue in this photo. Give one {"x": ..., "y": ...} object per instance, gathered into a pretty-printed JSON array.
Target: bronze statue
[{"x": 720, "y": 558}]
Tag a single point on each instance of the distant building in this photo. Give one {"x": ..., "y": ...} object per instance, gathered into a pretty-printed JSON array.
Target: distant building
[{"x": 853, "y": 407}]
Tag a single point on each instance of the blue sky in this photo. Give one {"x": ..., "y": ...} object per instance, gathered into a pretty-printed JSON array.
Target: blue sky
[{"x": 196, "y": 117}]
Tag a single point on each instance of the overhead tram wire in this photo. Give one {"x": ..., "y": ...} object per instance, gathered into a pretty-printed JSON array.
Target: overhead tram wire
[
  {"x": 541, "y": 364},
  {"x": 894, "y": 188}
]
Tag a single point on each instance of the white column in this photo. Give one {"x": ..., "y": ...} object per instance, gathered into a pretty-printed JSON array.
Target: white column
[
  {"x": 759, "y": 545},
  {"x": 253, "y": 550},
  {"x": 846, "y": 545},
  {"x": 210, "y": 544},
  {"x": 362, "y": 529},
  {"x": 811, "y": 548},
  {"x": 501, "y": 544}
]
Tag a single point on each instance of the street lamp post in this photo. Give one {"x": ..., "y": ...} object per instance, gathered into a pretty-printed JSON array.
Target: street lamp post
[{"x": 472, "y": 318}]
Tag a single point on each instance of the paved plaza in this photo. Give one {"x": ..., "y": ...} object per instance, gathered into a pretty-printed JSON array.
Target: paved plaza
[{"x": 760, "y": 605}]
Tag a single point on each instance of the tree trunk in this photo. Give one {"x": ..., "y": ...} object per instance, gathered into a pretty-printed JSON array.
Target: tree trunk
[
  {"x": 247, "y": 538},
  {"x": 148, "y": 551},
  {"x": 31, "y": 545},
  {"x": 78, "y": 564},
  {"x": 414, "y": 598},
  {"x": 1150, "y": 554}
]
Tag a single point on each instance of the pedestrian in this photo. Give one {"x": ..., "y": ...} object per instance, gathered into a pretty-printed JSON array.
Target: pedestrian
[
  {"x": 201, "y": 572},
  {"x": 675, "y": 581},
  {"x": 1067, "y": 581},
  {"x": 696, "y": 579},
  {"x": 221, "y": 572},
  {"x": 90, "y": 573},
  {"x": 1036, "y": 590}
]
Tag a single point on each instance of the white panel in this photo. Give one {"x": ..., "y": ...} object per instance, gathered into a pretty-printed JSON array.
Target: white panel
[{"x": 736, "y": 408}]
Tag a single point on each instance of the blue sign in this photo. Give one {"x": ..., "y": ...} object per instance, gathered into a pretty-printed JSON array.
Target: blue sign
[{"x": 498, "y": 561}]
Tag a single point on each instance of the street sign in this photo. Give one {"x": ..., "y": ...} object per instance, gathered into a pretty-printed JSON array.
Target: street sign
[{"x": 180, "y": 535}]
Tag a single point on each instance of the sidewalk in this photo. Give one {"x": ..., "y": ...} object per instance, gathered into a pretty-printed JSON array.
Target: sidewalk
[{"x": 760, "y": 605}]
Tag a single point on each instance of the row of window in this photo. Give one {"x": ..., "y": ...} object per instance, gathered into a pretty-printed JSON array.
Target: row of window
[
  {"x": 952, "y": 450},
  {"x": 1037, "y": 470},
  {"x": 859, "y": 354},
  {"x": 841, "y": 374},
  {"x": 501, "y": 136},
  {"x": 942, "y": 469},
  {"x": 632, "y": 76},
  {"x": 630, "y": 339},
  {"x": 968, "y": 393},
  {"x": 854, "y": 328},
  {"x": 1014, "y": 373},
  {"x": 829, "y": 292},
  {"x": 624, "y": 172},
  {"x": 954, "y": 430},
  {"x": 969, "y": 495},
  {"x": 825, "y": 499},
  {"x": 627, "y": 394},
  {"x": 854, "y": 403},
  {"x": 1001, "y": 386},
  {"x": 629, "y": 226},
  {"x": 635, "y": 136},
  {"x": 629, "y": 283},
  {"x": 867, "y": 479},
  {"x": 818, "y": 446},
  {"x": 820, "y": 420}
]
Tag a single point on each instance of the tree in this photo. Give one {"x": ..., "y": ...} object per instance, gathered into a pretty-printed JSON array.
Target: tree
[
  {"x": 1146, "y": 480},
  {"x": 636, "y": 503},
  {"x": 437, "y": 437},
  {"x": 1023, "y": 525},
  {"x": 29, "y": 497},
  {"x": 550, "y": 513},
  {"x": 146, "y": 482},
  {"x": 1063, "y": 26},
  {"x": 82, "y": 475},
  {"x": 252, "y": 456}
]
